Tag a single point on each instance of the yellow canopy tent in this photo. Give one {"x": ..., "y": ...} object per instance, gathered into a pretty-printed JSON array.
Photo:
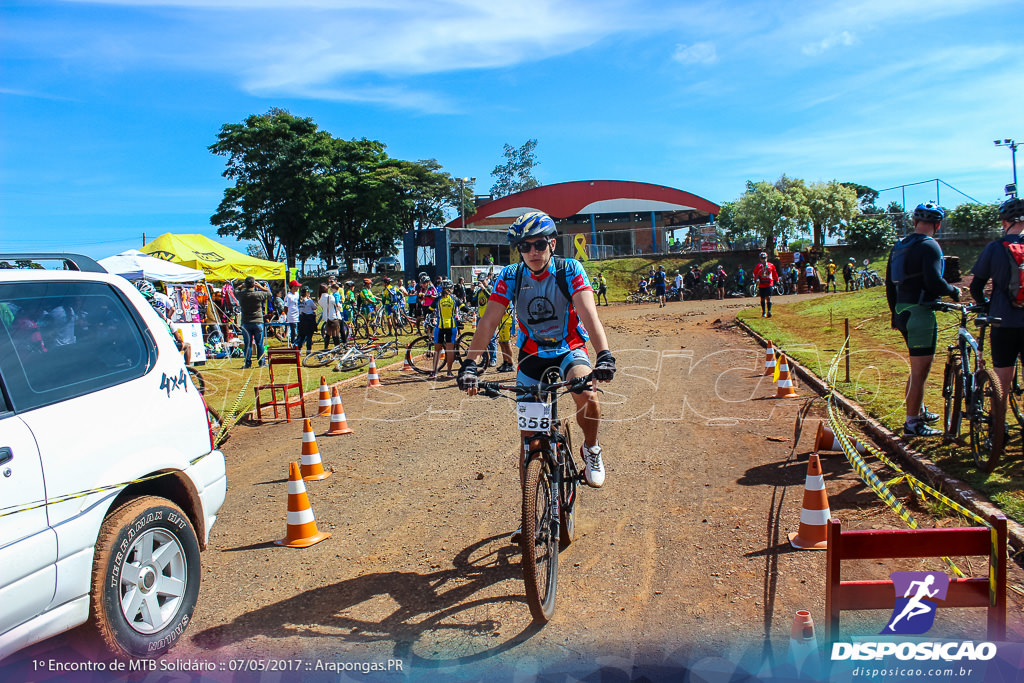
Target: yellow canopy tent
[{"x": 220, "y": 263}]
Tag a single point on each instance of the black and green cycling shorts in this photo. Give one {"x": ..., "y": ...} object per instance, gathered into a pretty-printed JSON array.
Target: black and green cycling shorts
[{"x": 917, "y": 325}]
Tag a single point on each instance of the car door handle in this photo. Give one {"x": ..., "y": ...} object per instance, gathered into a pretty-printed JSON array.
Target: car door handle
[{"x": 6, "y": 455}]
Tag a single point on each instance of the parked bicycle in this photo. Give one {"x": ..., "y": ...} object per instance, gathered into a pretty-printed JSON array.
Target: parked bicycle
[
  {"x": 641, "y": 298},
  {"x": 972, "y": 390},
  {"x": 420, "y": 353},
  {"x": 351, "y": 356},
  {"x": 550, "y": 483}
]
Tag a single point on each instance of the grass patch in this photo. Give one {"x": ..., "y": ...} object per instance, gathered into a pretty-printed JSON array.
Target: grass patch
[{"x": 812, "y": 331}]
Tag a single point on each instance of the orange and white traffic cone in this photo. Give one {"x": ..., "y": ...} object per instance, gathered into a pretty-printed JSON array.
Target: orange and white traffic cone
[
  {"x": 825, "y": 440},
  {"x": 312, "y": 466},
  {"x": 339, "y": 425},
  {"x": 324, "y": 400},
  {"x": 406, "y": 365},
  {"x": 803, "y": 645},
  {"x": 302, "y": 531},
  {"x": 785, "y": 387},
  {"x": 769, "y": 360},
  {"x": 815, "y": 513},
  {"x": 372, "y": 378}
]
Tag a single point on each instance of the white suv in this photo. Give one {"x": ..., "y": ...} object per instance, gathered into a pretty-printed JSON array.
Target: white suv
[{"x": 109, "y": 480}]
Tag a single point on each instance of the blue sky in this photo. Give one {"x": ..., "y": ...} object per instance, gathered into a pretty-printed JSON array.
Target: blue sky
[{"x": 107, "y": 107}]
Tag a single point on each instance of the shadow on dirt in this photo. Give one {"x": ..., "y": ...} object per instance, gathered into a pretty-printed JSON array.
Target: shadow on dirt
[{"x": 437, "y": 621}]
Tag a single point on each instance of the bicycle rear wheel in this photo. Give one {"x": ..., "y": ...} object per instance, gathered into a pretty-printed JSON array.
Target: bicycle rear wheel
[
  {"x": 952, "y": 396},
  {"x": 352, "y": 362},
  {"x": 988, "y": 418},
  {"x": 420, "y": 354},
  {"x": 539, "y": 541},
  {"x": 387, "y": 350}
]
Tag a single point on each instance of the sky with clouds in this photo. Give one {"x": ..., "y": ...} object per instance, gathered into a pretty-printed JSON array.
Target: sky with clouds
[{"x": 108, "y": 106}]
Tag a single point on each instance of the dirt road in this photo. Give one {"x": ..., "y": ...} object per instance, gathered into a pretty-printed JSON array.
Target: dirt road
[{"x": 682, "y": 557}]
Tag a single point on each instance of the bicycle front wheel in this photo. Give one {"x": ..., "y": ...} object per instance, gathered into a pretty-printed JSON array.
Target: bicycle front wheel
[
  {"x": 952, "y": 396},
  {"x": 988, "y": 418},
  {"x": 387, "y": 350},
  {"x": 539, "y": 541},
  {"x": 319, "y": 359},
  {"x": 420, "y": 354},
  {"x": 352, "y": 361},
  {"x": 567, "y": 493}
]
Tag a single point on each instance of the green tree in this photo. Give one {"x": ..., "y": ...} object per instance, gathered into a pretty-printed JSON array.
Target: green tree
[
  {"x": 770, "y": 210},
  {"x": 871, "y": 234},
  {"x": 829, "y": 206},
  {"x": 866, "y": 196},
  {"x": 898, "y": 218},
  {"x": 276, "y": 161},
  {"x": 424, "y": 192},
  {"x": 978, "y": 220},
  {"x": 516, "y": 174}
]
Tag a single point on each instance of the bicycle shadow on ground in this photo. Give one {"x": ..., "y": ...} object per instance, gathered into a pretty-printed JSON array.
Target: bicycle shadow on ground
[{"x": 441, "y": 619}]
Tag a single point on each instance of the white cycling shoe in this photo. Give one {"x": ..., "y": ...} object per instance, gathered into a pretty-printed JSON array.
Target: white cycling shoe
[{"x": 595, "y": 465}]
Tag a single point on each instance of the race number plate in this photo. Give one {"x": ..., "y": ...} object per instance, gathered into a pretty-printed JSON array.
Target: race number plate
[{"x": 533, "y": 416}]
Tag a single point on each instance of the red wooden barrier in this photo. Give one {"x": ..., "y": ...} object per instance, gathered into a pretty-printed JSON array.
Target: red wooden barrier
[{"x": 868, "y": 545}]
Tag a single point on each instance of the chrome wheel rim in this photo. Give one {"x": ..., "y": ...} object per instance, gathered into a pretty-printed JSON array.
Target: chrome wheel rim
[{"x": 153, "y": 581}]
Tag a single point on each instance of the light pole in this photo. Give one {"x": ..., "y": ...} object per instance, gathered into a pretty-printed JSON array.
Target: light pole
[
  {"x": 462, "y": 198},
  {"x": 1012, "y": 144}
]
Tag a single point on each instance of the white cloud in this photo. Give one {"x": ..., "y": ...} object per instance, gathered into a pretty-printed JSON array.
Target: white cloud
[
  {"x": 845, "y": 39},
  {"x": 698, "y": 53}
]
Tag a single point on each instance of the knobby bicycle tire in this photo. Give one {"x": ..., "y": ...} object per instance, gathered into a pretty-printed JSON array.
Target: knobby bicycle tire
[
  {"x": 567, "y": 494},
  {"x": 539, "y": 542},
  {"x": 420, "y": 354},
  {"x": 987, "y": 420},
  {"x": 319, "y": 359},
  {"x": 1016, "y": 392},
  {"x": 462, "y": 348},
  {"x": 386, "y": 350},
  {"x": 353, "y": 362},
  {"x": 952, "y": 396}
]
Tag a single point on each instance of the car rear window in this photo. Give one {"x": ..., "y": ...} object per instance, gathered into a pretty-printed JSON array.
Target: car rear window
[{"x": 61, "y": 340}]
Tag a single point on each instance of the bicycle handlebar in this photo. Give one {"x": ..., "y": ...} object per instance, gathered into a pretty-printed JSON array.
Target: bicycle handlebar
[
  {"x": 577, "y": 386},
  {"x": 964, "y": 309}
]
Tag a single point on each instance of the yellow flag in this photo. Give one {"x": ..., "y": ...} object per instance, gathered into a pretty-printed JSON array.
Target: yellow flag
[{"x": 775, "y": 375}]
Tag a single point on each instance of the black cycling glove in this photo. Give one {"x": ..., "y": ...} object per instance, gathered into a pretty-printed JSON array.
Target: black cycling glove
[
  {"x": 469, "y": 376},
  {"x": 604, "y": 371}
]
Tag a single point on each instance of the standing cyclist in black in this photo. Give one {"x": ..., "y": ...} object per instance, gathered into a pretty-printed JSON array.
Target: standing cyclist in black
[
  {"x": 998, "y": 264},
  {"x": 913, "y": 278}
]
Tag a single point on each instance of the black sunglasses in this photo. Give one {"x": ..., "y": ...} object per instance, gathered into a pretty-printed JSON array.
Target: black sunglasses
[{"x": 527, "y": 247}]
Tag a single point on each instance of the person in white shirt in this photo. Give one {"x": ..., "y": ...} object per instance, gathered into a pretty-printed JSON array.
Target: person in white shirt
[{"x": 291, "y": 312}]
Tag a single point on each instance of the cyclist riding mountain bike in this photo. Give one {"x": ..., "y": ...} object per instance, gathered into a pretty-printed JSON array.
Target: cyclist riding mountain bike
[
  {"x": 913, "y": 279},
  {"x": 1001, "y": 262},
  {"x": 554, "y": 304},
  {"x": 766, "y": 277}
]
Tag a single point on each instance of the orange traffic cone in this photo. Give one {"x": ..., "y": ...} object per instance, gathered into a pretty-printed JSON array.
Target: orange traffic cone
[
  {"x": 372, "y": 378},
  {"x": 406, "y": 365},
  {"x": 769, "y": 360},
  {"x": 339, "y": 425},
  {"x": 324, "y": 401},
  {"x": 803, "y": 645},
  {"x": 786, "y": 388},
  {"x": 827, "y": 441},
  {"x": 312, "y": 467},
  {"x": 302, "y": 531},
  {"x": 815, "y": 513}
]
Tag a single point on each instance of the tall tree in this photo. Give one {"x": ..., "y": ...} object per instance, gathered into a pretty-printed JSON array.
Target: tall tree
[
  {"x": 277, "y": 161},
  {"x": 978, "y": 220},
  {"x": 771, "y": 209},
  {"x": 516, "y": 174},
  {"x": 829, "y": 206},
  {"x": 424, "y": 191}
]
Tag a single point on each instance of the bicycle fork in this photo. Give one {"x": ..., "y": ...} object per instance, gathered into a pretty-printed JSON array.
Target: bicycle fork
[{"x": 543, "y": 447}]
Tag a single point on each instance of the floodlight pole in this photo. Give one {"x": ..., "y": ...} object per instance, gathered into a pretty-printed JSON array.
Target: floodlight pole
[
  {"x": 1012, "y": 144},
  {"x": 462, "y": 199}
]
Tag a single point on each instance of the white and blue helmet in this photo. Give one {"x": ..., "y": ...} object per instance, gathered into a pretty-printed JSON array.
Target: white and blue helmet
[{"x": 531, "y": 225}]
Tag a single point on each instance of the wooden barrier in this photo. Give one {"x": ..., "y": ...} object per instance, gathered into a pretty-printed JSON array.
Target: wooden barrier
[{"x": 870, "y": 545}]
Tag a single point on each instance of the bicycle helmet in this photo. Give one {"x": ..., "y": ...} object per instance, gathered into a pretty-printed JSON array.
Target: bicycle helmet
[
  {"x": 367, "y": 281},
  {"x": 349, "y": 283},
  {"x": 1012, "y": 210},
  {"x": 530, "y": 225},
  {"x": 146, "y": 288},
  {"x": 424, "y": 277},
  {"x": 929, "y": 213},
  {"x": 387, "y": 280},
  {"x": 763, "y": 255}
]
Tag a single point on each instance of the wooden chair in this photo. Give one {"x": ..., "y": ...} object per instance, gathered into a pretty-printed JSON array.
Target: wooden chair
[
  {"x": 988, "y": 592},
  {"x": 289, "y": 357}
]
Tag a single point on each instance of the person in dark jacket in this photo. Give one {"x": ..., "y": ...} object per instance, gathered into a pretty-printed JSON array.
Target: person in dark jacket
[
  {"x": 994, "y": 264},
  {"x": 909, "y": 294},
  {"x": 251, "y": 298}
]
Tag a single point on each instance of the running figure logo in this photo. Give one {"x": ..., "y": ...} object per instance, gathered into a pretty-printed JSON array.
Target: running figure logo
[{"x": 917, "y": 594}]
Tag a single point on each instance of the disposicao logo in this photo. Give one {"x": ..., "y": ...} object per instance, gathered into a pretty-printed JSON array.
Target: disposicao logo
[{"x": 917, "y": 594}]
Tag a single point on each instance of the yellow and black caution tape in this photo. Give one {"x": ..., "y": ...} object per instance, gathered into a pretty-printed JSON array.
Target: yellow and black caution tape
[
  {"x": 35, "y": 505},
  {"x": 846, "y": 439}
]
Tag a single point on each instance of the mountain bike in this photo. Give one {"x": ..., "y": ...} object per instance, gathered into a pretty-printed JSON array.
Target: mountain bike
[
  {"x": 550, "y": 483},
  {"x": 351, "y": 356},
  {"x": 420, "y": 353},
  {"x": 972, "y": 390}
]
